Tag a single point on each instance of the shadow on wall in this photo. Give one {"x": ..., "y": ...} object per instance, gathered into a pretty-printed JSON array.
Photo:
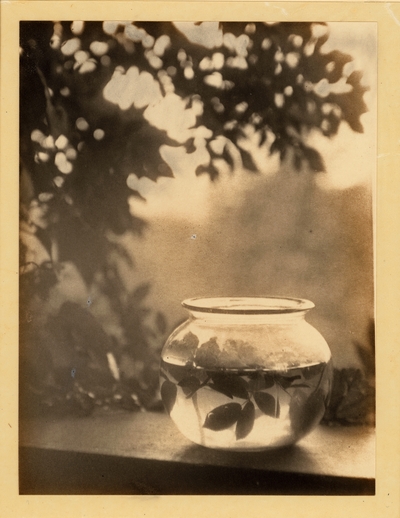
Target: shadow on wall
[{"x": 272, "y": 235}]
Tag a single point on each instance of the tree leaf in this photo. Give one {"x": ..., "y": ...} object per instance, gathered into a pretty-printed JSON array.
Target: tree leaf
[
  {"x": 257, "y": 382},
  {"x": 263, "y": 138},
  {"x": 265, "y": 402},
  {"x": 366, "y": 356},
  {"x": 161, "y": 323},
  {"x": 297, "y": 161},
  {"x": 352, "y": 398},
  {"x": 226, "y": 155},
  {"x": 168, "y": 395},
  {"x": 209, "y": 169},
  {"x": 223, "y": 417},
  {"x": 246, "y": 421},
  {"x": 230, "y": 385},
  {"x": 141, "y": 292},
  {"x": 314, "y": 159},
  {"x": 189, "y": 385},
  {"x": 247, "y": 160},
  {"x": 190, "y": 146}
]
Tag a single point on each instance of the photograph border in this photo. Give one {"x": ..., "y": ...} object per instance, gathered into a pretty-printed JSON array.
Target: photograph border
[{"x": 386, "y": 501}]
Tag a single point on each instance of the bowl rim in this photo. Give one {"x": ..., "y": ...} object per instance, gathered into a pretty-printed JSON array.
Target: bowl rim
[{"x": 247, "y": 305}]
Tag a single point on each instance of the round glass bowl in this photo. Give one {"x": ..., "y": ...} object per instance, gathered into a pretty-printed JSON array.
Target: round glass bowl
[{"x": 246, "y": 373}]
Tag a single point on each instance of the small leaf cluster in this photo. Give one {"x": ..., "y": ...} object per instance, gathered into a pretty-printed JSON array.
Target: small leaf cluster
[
  {"x": 353, "y": 389},
  {"x": 252, "y": 390},
  {"x": 69, "y": 364}
]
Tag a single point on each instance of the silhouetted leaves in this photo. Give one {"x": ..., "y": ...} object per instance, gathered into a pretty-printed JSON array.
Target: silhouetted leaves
[
  {"x": 161, "y": 322},
  {"x": 223, "y": 417},
  {"x": 258, "y": 381},
  {"x": 240, "y": 95},
  {"x": 141, "y": 292},
  {"x": 352, "y": 399},
  {"x": 306, "y": 410},
  {"x": 266, "y": 403},
  {"x": 248, "y": 162},
  {"x": 178, "y": 372},
  {"x": 269, "y": 380},
  {"x": 313, "y": 370},
  {"x": 286, "y": 381},
  {"x": 209, "y": 169},
  {"x": 226, "y": 155},
  {"x": 315, "y": 160},
  {"x": 228, "y": 384},
  {"x": 189, "y": 385},
  {"x": 245, "y": 421},
  {"x": 366, "y": 351},
  {"x": 78, "y": 344}
]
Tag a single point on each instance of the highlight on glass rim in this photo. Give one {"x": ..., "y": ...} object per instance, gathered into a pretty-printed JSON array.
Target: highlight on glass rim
[{"x": 196, "y": 240}]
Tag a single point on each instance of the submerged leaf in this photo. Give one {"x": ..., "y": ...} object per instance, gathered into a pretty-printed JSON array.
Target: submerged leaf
[
  {"x": 265, "y": 402},
  {"x": 269, "y": 380},
  {"x": 189, "y": 385},
  {"x": 246, "y": 421},
  {"x": 177, "y": 372},
  {"x": 168, "y": 395},
  {"x": 230, "y": 385},
  {"x": 306, "y": 411},
  {"x": 222, "y": 417},
  {"x": 313, "y": 370},
  {"x": 258, "y": 382},
  {"x": 286, "y": 381}
]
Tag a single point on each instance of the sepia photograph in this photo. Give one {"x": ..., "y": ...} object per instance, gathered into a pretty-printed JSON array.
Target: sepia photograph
[{"x": 196, "y": 245}]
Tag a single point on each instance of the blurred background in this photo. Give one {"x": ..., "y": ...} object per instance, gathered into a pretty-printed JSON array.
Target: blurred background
[{"x": 166, "y": 161}]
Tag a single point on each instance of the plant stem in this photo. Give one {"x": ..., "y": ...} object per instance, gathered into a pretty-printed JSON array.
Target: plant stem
[
  {"x": 196, "y": 407},
  {"x": 199, "y": 387}
]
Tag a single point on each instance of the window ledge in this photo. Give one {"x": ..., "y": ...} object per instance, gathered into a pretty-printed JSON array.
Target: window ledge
[{"x": 141, "y": 453}]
